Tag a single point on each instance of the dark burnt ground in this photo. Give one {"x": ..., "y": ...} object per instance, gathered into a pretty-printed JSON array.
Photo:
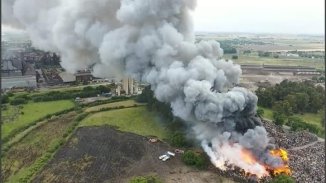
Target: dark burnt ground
[{"x": 103, "y": 154}]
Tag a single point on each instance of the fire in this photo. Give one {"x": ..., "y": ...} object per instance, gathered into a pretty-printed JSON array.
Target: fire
[
  {"x": 235, "y": 157},
  {"x": 280, "y": 153},
  {"x": 284, "y": 169},
  {"x": 248, "y": 157},
  {"x": 251, "y": 165}
]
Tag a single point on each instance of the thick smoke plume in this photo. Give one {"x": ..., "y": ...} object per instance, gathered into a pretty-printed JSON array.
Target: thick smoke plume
[{"x": 153, "y": 41}]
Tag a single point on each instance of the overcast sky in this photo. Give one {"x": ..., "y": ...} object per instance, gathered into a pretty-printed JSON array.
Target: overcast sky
[
  {"x": 270, "y": 16},
  {"x": 259, "y": 16}
]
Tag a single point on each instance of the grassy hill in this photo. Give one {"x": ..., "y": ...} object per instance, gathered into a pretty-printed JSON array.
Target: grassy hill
[{"x": 137, "y": 120}]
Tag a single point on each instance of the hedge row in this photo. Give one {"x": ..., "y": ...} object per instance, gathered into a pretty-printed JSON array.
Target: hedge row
[
  {"x": 57, "y": 95},
  {"x": 100, "y": 102},
  {"x": 72, "y": 94}
]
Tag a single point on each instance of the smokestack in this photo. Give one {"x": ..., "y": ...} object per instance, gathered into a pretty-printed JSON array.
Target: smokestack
[{"x": 153, "y": 41}]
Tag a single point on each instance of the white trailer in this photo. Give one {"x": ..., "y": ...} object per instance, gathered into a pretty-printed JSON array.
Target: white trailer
[{"x": 170, "y": 153}]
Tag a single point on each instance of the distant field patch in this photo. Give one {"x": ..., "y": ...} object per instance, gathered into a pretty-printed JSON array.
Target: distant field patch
[
  {"x": 16, "y": 117},
  {"x": 126, "y": 103},
  {"x": 137, "y": 120},
  {"x": 244, "y": 59}
]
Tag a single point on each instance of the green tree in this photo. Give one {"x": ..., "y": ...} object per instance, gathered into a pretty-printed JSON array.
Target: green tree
[
  {"x": 18, "y": 101},
  {"x": 260, "y": 112},
  {"x": 4, "y": 99},
  {"x": 283, "y": 107},
  {"x": 88, "y": 88},
  {"x": 235, "y": 57},
  {"x": 293, "y": 102},
  {"x": 315, "y": 102},
  {"x": 194, "y": 159},
  {"x": 178, "y": 139},
  {"x": 103, "y": 89},
  {"x": 279, "y": 118},
  {"x": 265, "y": 97},
  {"x": 282, "y": 179},
  {"x": 302, "y": 101}
]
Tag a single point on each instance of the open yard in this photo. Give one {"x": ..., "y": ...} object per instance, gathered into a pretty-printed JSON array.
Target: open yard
[
  {"x": 17, "y": 162},
  {"x": 137, "y": 120},
  {"x": 17, "y": 117},
  {"x": 127, "y": 103}
]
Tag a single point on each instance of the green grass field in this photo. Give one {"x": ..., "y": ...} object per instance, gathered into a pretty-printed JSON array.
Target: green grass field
[
  {"x": 17, "y": 163},
  {"x": 137, "y": 120},
  {"x": 307, "y": 117},
  {"x": 127, "y": 103},
  {"x": 15, "y": 118},
  {"x": 311, "y": 118},
  {"x": 268, "y": 113}
]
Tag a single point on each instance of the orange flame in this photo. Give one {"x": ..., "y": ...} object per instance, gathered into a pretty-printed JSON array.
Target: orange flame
[
  {"x": 248, "y": 157},
  {"x": 280, "y": 153},
  {"x": 283, "y": 154}
]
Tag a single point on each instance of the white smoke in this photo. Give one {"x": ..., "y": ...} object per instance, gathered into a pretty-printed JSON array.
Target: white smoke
[{"x": 153, "y": 41}]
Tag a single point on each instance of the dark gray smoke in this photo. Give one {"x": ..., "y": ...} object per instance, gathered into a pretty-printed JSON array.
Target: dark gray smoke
[{"x": 153, "y": 41}]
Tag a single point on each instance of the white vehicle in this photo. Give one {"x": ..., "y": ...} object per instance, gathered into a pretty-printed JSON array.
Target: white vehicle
[
  {"x": 170, "y": 153},
  {"x": 161, "y": 157},
  {"x": 166, "y": 158}
]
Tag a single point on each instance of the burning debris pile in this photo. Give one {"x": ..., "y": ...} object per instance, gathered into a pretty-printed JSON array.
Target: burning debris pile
[
  {"x": 306, "y": 152},
  {"x": 282, "y": 153},
  {"x": 153, "y": 41}
]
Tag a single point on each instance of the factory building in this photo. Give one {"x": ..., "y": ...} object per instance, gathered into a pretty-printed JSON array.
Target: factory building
[
  {"x": 128, "y": 85},
  {"x": 17, "y": 74}
]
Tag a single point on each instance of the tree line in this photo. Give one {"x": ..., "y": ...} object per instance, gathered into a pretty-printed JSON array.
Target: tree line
[
  {"x": 292, "y": 97},
  {"x": 289, "y": 98},
  {"x": 72, "y": 94},
  {"x": 54, "y": 95}
]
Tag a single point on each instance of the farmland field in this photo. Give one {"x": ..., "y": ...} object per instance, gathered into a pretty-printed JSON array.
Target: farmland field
[
  {"x": 248, "y": 59},
  {"x": 18, "y": 161},
  {"x": 17, "y": 117},
  {"x": 127, "y": 103},
  {"x": 136, "y": 120}
]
